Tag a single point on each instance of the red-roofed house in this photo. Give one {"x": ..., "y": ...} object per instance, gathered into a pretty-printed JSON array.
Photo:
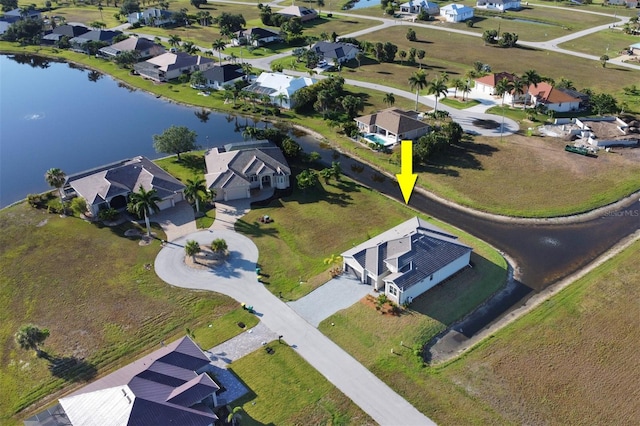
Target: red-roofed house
[
  {"x": 487, "y": 85},
  {"x": 552, "y": 98}
]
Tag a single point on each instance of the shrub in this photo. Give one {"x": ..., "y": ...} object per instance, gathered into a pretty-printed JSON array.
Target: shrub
[
  {"x": 219, "y": 245},
  {"x": 78, "y": 205},
  {"x": 382, "y": 299},
  {"x": 108, "y": 214},
  {"x": 35, "y": 200},
  {"x": 329, "y": 15}
]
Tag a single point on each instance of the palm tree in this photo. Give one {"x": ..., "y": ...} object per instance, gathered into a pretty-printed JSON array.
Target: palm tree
[
  {"x": 30, "y": 337},
  {"x": 56, "y": 178},
  {"x": 250, "y": 132},
  {"x": 280, "y": 97},
  {"x": 529, "y": 78},
  {"x": 174, "y": 40},
  {"x": 418, "y": 81},
  {"x": 389, "y": 99},
  {"x": 421, "y": 54},
  {"x": 458, "y": 84},
  {"x": 438, "y": 87},
  {"x": 219, "y": 45},
  {"x": 189, "y": 47},
  {"x": 517, "y": 89},
  {"x": 503, "y": 87},
  {"x": 194, "y": 190},
  {"x": 247, "y": 69},
  {"x": 142, "y": 202},
  {"x": 466, "y": 88},
  {"x": 219, "y": 245},
  {"x": 234, "y": 416},
  {"x": 192, "y": 248}
]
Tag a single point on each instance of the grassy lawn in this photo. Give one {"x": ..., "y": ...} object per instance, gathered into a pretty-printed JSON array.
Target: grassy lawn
[
  {"x": 89, "y": 285},
  {"x": 299, "y": 234},
  {"x": 86, "y": 14},
  {"x": 458, "y": 103},
  {"x": 573, "y": 360},
  {"x": 285, "y": 390},
  {"x": 609, "y": 42}
]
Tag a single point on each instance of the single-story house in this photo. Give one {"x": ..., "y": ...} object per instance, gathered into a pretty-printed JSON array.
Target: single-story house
[
  {"x": 146, "y": 48},
  {"x": 171, "y": 385},
  {"x": 280, "y": 87},
  {"x": 109, "y": 186},
  {"x": 500, "y": 5},
  {"x": 152, "y": 17},
  {"x": 240, "y": 167},
  {"x": 393, "y": 123},
  {"x": 80, "y": 43},
  {"x": 16, "y": 15},
  {"x": 456, "y": 12},
  {"x": 337, "y": 52},
  {"x": 635, "y": 49},
  {"x": 631, "y": 4},
  {"x": 487, "y": 85},
  {"x": 70, "y": 31},
  {"x": 171, "y": 65},
  {"x": 552, "y": 98},
  {"x": 407, "y": 260},
  {"x": 417, "y": 6},
  {"x": 255, "y": 36},
  {"x": 219, "y": 75},
  {"x": 304, "y": 13}
]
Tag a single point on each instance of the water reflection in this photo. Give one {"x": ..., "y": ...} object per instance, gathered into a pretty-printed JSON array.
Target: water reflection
[{"x": 32, "y": 61}]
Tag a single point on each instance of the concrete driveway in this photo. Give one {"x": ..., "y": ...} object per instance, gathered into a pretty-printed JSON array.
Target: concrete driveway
[
  {"x": 176, "y": 221},
  {"x": 238, "y": 280}
]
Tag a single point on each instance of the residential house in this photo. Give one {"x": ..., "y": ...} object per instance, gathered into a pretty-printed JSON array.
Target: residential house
[
  {"x": 417, "y": 6},
  {"x": 631, "y": 4},
  {"x": 407, "y": 260},
  {"x": 501, "y": 5},
  {"x": 143, "y": 46},
  {"x": 172, "y": 65},
  {"x": 61, "y": 31},
  {"x": 279, "y": 87},
  {"x": 635, "y": 49},
  {"x": 80, "y": 43},
  {"x": 336, "y": 52},
  {"x": 240, "y": 167},
  {"x": 18, "y": 14},
  {"x": 553, "y": 99},
  {"x": 305, "y": 14},
  {"x": 4, "y": 26},
  {"x": 172, "y": 385},
  {"x": 152, "y": 17},
  {"x": 456, "y": 12},
  {"x": 255, "y": 36},
  {"x": 487, "y": 85},
  {"x": 394, "y": 124},
  {"x": 109, "y": 186},
  {"x": 219, "y": 75}
]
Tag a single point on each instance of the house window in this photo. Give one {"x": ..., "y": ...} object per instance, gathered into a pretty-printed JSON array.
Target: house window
[
  {"x": 431, "y": 277},
  {"x": 393, "y": 291},
  {"x": 253, "y": 178}
]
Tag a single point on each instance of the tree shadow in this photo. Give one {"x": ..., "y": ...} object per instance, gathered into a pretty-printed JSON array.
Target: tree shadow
[
  {"x": 193, "y": 162},
  {"x": 70, "y": 368},
  {"x": 255, "y": 229}
]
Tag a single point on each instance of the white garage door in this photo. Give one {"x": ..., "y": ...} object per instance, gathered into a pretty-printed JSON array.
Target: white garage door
[{"x": 235, "y": 193}]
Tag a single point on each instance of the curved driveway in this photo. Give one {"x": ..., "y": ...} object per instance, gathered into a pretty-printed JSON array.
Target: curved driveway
[{"x": 237, "y": 279}]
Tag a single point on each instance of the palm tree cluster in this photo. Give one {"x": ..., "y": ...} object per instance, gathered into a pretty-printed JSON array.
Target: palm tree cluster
[
  {"x": 56, "y": 178},
  {"x": 437, "y": 86},
  {"x": 518, "y": 86}
]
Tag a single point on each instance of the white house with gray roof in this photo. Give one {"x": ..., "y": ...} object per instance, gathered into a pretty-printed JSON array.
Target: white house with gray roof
[
  {"x": 240, "y": 167},
  {"x": 417, "y": 6},
  {"x": 109, "y": 186},
  {"x": 393, "y": 124},
  {"x": 407, "y": 260},
  {"x": 500, "y": 5},
  {"x": 172, "y": 65},
  {"x": 336, "y": 52},
  {"x": 167, "y": 387},
  {"x": 280, "y": 87}
]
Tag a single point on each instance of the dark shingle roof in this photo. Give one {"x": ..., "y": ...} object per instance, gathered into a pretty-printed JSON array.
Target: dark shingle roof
[
  {"x": 70, "y": 30},
  {"x": 333, "y": 50},
  {"x": 223, "y": 73},
  {"x": 260, "y": 32},
  {"x": 394, "y": 120}
]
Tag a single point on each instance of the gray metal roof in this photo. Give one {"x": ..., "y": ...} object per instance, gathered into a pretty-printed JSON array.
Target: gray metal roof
[
  {"x": 393, "y": 120},
  {"x": 160, "y": 388},
  {"x": 334, "y": 50},
  {"x": 223, "y": 73}
]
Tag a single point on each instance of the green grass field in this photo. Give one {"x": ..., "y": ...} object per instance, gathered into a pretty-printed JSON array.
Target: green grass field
[{"x": 285, "y": 390}]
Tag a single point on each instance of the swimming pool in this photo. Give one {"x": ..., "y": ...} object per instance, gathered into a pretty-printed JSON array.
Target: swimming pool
[{"x": 377, "y": 139}]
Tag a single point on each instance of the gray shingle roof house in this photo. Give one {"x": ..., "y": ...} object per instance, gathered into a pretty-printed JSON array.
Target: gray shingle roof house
[
  {"x": 64, "y": 31},
  {"x": 407, "y": 260},
  {"x": 152, "y": 17},
  {"x": 256, "y": 36},
  {"x": 219, "y": 75},
  {"x": 243, "y": 166},
  {"x": 80, "y": 43},
  {"x": 171, "y": 65},
  {"x": 110, "y": 185},
  {"x": 416, "y": 6},
  {"x": 16, "y": 15},
  {"x": 304, "y": 13},
  {"x": 339, "y": 52},
  {"x": 145, "y": 47},
  {"x": 393, "y": 123},
  {"x": 168, "y": 386}
]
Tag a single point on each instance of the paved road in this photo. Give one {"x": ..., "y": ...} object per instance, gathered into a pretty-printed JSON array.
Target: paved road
[{"x": 238, "y": 280}]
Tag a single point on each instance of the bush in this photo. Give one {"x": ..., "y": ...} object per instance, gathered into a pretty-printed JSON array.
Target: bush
[
  {"x": 108, "y": 214},
  {"x": 79, "y": 205},
  {"x": 329, "y": 15},
  {"x": 35, "y": 200}
]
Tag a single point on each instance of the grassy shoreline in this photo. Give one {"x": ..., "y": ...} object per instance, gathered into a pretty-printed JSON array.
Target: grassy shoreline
[{"x": 453, "y": 190}]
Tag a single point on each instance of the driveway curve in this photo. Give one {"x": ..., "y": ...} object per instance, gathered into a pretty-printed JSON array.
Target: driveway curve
[{"x": 237, "y": 279}]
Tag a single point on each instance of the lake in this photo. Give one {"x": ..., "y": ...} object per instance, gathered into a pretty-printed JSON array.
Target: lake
[{"x": 54, "y": 114}]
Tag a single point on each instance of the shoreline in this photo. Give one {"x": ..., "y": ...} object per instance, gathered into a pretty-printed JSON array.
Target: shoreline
[{"x": 578, "y": 217}]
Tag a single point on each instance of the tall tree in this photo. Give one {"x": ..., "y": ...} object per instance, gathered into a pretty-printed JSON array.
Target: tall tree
[
  {"x": 56, "y": 179},
  {"x": 219, "y": 45},
  {"x": 141, "y": 203},
  {"x": 174, "y": 40},
  {"x": 516, "y": 90},
  {"x": 438, "y": 87},
  {"x": 417, "y": 82},
  {"x": 175, "y": 140},
  {"x": 503, "y": 87},
  {"x": 421, "y": 54},
  {"x": 191, "y": 248},
  {"x": 530, "y": 78},
  {"x": 30, "y": 337},
  {"x": 195, "y": 190}
]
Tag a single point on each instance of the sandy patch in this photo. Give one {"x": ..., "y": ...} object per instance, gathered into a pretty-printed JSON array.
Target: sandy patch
[{"x": 206, "y": 259}]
